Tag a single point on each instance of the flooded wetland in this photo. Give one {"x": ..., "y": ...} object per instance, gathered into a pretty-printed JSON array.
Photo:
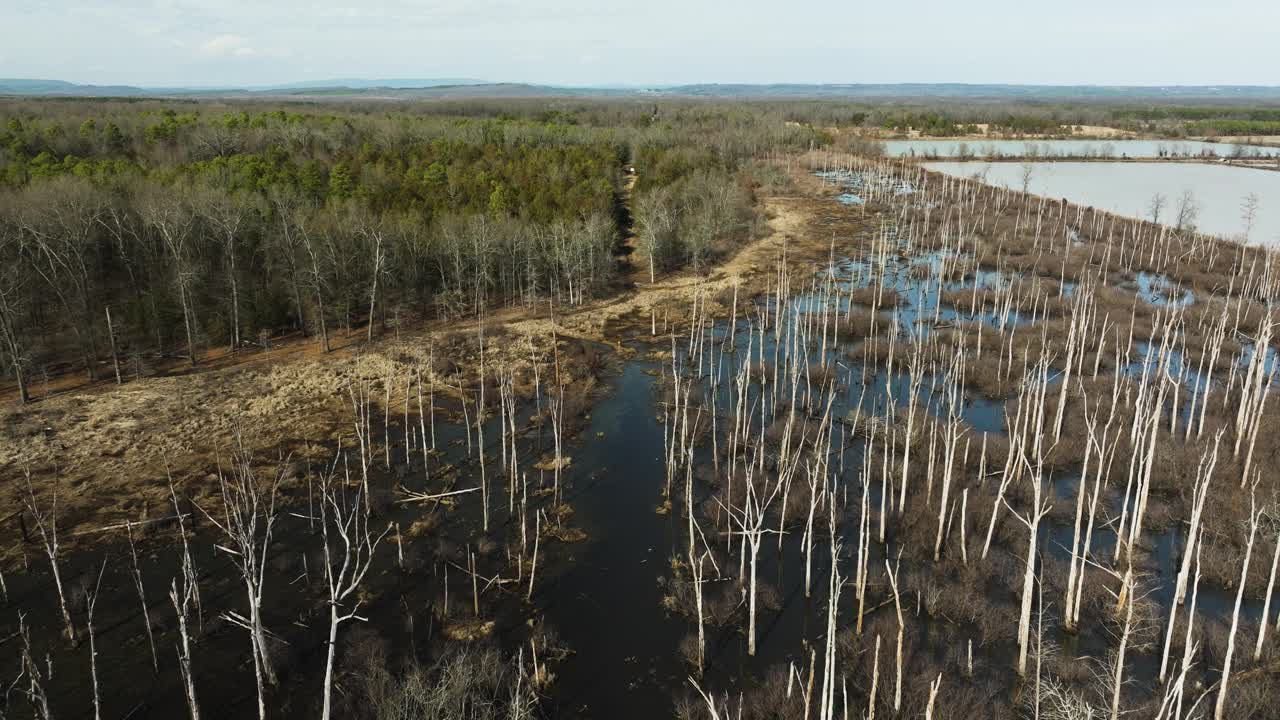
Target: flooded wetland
[{"x": 948, "y": 450}]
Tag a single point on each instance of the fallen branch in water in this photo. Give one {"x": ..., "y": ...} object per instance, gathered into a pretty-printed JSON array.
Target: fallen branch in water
[{"x": 411, "y": 496}]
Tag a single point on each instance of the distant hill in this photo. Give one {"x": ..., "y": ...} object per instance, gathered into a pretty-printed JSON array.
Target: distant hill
[
  {"x": 489, "y": 90},
  {"x": 410, "y": 89},
  {"x": 994, "y": 91},
  {"x": 362, "y": 83},
  {"x": 476, "y": 90},
  {"x": 61, "y": 88},
  {"x": 9, "y": 86}
]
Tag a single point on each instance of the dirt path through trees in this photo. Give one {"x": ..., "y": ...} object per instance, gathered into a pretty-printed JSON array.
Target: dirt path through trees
[{"x": 630, "y": 271}]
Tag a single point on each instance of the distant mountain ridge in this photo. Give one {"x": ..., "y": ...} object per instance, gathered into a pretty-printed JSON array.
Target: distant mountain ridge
[
  {"x": 40, "y": 87},
  {"x": 17, "y": 86},
  {"x": 424, "y": 88},
  {"x": 970, "y": 90},
  {"x": 365, "y": 83}
]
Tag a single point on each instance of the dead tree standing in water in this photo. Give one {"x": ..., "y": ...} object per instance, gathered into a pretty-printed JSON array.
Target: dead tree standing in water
[
  {"x": 248, "y": 518},
  {"x": 751, "y": 519},
  {"x": 349, "y": 546},
  {"x": 90, "y": 604},
  {"x": 182, "y": 603},
  {"x": 142, "y": 597},
  {"x": 47, "y": 525},
  {"x": 35, "y": 688},
  {"x": 1254, "y": 519}
]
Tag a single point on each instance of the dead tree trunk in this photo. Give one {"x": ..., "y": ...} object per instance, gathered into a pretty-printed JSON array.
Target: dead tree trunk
[
  {"x": 248, "y": 519},
  {"x": 111, "y": 340},
  {"x": 90, "y": 604},
  {"x": 1117, "y": 682},
  {"x": 897, "y": 606},
  {"x": 182, "y": 603},
  {"x": 35, "y": 687},
  {"x": 1032, "y": 523},
  {"x": 1220, "y": 706},
  {"x": 1271, "y": 584},
  {"x": 142, "y": 599},
  {"x": 349, "y": 546},
  {"x": 47, "y": 525}
]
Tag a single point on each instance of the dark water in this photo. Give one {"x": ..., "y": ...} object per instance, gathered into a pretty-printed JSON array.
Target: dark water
[{"x": 607, "y": 603}]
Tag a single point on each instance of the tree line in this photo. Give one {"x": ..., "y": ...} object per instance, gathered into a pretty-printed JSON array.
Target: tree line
[{"x": 135, "y": 232}]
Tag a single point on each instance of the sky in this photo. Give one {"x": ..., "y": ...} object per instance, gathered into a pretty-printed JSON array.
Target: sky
[{"x": 189, "y": 43}]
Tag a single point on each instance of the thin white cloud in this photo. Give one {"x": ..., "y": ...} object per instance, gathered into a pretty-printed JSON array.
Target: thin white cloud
[
  {"x": 222, "y": 45},
  {"x": 240, "y": 42}
]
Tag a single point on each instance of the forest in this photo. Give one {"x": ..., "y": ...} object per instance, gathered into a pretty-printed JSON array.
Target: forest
[{"x": 133, "y": 232}]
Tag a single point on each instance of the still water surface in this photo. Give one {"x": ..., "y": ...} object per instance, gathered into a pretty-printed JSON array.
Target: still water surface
[{"x": 1219, "y": 192}]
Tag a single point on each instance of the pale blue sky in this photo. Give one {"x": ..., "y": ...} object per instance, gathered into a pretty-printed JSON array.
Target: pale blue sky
[{"x": 643, "y": 42}]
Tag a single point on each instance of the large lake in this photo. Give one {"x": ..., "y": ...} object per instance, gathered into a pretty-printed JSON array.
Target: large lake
[
  {"x": 1073, "y": 148},
  {"x": 1219, "y": 191}
]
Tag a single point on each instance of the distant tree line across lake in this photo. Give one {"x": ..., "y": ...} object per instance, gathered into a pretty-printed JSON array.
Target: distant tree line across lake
[{"x": 950, "y": 118}]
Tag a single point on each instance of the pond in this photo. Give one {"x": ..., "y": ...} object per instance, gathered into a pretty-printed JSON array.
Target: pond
[
  {"x": 1218, "y": 192},
  {"x": 1073, "y": 148}
]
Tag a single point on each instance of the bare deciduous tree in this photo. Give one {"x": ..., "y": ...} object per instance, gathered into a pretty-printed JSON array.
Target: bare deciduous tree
[
  {"x": 1188, "y": 212},
  {"x": 90, "y": 604},
  {"x": 183, "y": 600},
  {"x": 13, "y": 294},
  {"x": 349, "y": 547},
  {"x": 1249, "y": 214},
  {"x": 229, "y": 215},
  {"x": 35, "y": 676},
  {"x": 1158, "y": 201},
  {"x": 47, "y": 525},
  {"x": 248, "y": 519},
  {"x": 171, "y": 218}
]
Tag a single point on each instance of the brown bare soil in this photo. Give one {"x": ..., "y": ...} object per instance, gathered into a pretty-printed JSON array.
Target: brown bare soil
[
  {"x": 630, "y": 269},
  {"x": 1271, "y": 140}
]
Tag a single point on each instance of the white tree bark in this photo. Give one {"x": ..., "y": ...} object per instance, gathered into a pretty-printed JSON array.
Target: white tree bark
[
  {"x": 1271, "y": 584},
  {"x": 346, "y": 564},
  {"x": 1220, "y": 706}
]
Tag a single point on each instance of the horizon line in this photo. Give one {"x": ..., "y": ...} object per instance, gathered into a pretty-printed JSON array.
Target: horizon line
[{"x": 445, "y": 81}]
